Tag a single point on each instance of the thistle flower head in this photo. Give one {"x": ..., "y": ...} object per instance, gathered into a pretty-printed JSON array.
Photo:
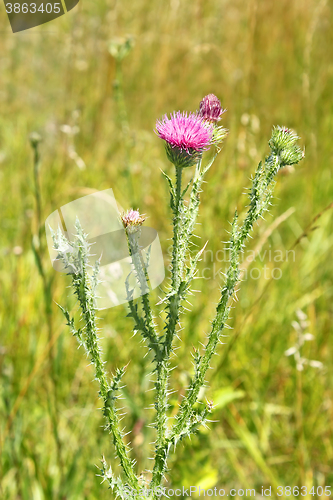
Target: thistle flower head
[
  {"x": 132, "y": 219},
  {"x": 210, "y": 108},
  {"x": 186, "y": 136},
  {"x": 283, "y": 143}
]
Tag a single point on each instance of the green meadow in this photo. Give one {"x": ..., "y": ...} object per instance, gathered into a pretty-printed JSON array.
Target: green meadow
[{"x": 270, "y": 63}]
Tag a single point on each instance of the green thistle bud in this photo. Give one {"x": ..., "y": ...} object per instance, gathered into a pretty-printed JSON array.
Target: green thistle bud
[
  {"x": 283, "y": 144},
  {"x": 35, "y": 139}
]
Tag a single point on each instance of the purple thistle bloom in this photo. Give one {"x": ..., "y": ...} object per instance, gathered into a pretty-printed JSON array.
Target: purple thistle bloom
[
  {"x": 186, "y": 136},
  {"x": 185, "y": 131}
]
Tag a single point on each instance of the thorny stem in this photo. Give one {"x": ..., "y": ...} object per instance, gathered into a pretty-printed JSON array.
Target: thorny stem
[
  {"x": 177, "y": 229},
  {"x": 161, "y": 404},
  {"x": 84, "y": 288},
  {"x": 106, "y": 393},
  {"x": 146, "y": 326},
  {"x": 178, "y": 258},
  {"x": 260, "y": 195},
  {"x": 184, "y": 222},
  {"x": 259, "y": 201}
]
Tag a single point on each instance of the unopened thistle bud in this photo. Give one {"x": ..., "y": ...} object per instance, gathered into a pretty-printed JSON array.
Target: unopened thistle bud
[
  {"x": 283, "y": 144},
  {"x": 35, "y": 139},
  {"x": 210, "y": 108},
  {"x": 211, "y": 111},
  {"x": 132, "y": 219}
]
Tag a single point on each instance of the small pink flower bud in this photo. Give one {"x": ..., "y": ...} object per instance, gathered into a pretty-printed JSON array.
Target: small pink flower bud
[
  {"x": 132, "y": 218},
  {"x": 210, "y": 108}
]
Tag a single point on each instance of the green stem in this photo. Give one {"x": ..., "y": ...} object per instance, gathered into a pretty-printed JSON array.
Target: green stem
[
  {"x": 177, "y": 232},
  {"x": 37, "y": 188},
  {"x": 178, "y": 259},
  {"x": 183, "y": 228},
  {"x": 299, "y": 426},
  {"x": 161, "y": 405},
  {"x": 146, "y": 326},
  {"x": 124, "y": 125},
  {"x": 259, "y": 199},
  {"x": 38, "y": 250},
  {"x": 85, "y": 293}
]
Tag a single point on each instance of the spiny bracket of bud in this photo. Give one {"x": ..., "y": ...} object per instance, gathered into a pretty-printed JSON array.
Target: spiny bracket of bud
[{"x": 132, "y": 219}]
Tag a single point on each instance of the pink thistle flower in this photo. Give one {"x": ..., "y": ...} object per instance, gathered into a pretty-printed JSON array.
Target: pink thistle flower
[
  {"x": 184, "y": 131},
  {"x": 186, "y": 136},
  {"x": 132, "y": 218},
  {"x": 210, "y": 108}
]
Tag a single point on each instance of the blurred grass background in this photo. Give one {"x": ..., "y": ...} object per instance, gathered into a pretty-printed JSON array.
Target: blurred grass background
[{"x": 270, "y": 63}]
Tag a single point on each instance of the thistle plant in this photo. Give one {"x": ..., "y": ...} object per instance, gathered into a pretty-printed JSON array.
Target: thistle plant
[{"x": 187, "y": 136}]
